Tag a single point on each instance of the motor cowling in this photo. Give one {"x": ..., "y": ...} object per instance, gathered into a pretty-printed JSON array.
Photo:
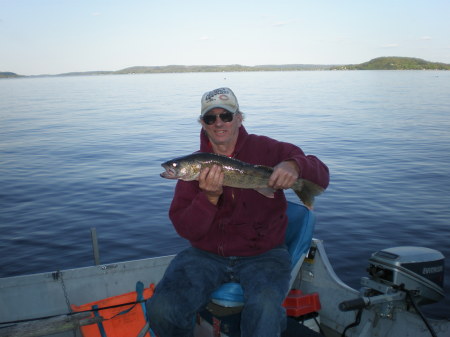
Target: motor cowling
[{"x": 418, "y": 270}]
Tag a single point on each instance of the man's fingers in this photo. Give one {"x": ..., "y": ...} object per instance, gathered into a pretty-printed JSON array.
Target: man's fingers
[{"x": 284, "y": 176}]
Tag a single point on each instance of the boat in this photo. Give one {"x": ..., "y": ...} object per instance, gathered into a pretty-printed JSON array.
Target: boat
[{"x": 83, "y": 301}]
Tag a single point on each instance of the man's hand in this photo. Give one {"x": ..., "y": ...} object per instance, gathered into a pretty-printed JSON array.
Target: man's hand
[
  {"x": 284, "y": 175},
  {"x": 211, "y": 181}
]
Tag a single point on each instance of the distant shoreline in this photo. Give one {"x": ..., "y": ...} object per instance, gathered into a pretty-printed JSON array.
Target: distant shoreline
[{"x": 380, "y": 63}]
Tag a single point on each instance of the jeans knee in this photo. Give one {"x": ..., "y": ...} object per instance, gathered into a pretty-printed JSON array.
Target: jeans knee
[
  {"x": 267, "y": 295},
  {"x": 267, "y": 305},
  {"x": 160, "y": 310},
  {"x": 166, "y": 318},
  {"x": 154, "y": 314},
  {"x": 263, "y": 315}
]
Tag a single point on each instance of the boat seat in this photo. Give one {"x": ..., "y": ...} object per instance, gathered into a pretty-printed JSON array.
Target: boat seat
[{"x": 301, "y": 222}]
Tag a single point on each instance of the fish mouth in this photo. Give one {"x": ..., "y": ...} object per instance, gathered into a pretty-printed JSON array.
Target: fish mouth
[{"x": 169, "y": 173}]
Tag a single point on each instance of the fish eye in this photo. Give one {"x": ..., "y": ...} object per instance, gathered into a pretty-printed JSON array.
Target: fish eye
[{"x": 174, "y": 164}]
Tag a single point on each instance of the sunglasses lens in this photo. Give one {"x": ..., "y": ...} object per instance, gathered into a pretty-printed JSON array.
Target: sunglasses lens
[
  {"x": 209, "y": 119},
  {"x": 226, "y": 117}
]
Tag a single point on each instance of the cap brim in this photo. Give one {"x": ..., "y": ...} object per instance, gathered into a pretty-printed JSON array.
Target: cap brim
[{"x": 223, "y": 106}]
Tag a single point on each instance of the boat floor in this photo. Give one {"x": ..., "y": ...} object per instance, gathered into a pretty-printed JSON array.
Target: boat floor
[
  {"x": 296, "y": 329},
  {"x": 228, "y": 320}
]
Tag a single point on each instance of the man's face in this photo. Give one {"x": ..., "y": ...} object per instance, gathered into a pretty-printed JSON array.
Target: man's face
[{"x": 220, "y": 132}]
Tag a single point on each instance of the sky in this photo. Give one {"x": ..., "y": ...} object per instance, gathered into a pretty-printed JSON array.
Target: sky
[{"x": 59, "y": 36}]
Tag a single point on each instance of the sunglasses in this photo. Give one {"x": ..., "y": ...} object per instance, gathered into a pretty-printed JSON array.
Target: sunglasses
[{"x": 226, "y": 117}]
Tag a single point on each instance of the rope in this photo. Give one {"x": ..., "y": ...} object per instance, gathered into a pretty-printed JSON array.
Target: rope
[{"x": 74, "y": 313}]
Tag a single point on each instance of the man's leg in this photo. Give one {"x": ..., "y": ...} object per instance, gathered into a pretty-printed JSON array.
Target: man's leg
[
  {"x": 265, "y": 281},
  {"x": 185, "y": 288}
]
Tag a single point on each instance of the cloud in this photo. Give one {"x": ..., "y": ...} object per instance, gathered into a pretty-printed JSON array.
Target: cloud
[
  {"x": 204, "y": 38},
  {"x": 390, "y": 45},
  {"x": 426, "y": 38},
  {"x": 279, "y": 24}
]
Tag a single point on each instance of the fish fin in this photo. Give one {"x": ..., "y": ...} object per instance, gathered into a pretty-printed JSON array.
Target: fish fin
[
  {"x": 308, "y": 192},
  {"x": 266, "y": 191}
]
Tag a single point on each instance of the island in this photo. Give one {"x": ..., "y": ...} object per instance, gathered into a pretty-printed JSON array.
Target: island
[
  {"x": 395, "y": 63},
  {"x": 7, "y": 74},
  {"x": 380, "y": 63}
]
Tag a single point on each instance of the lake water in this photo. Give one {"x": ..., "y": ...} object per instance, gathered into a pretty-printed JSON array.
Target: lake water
[{"x": 82, "y": 152}]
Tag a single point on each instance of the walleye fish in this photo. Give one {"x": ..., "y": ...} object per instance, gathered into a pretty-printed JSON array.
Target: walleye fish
[{"x": 236, "y": 174}]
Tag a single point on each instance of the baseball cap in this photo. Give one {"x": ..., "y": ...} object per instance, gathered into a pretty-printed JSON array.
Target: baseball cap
[{"x": 219, "y": 98}]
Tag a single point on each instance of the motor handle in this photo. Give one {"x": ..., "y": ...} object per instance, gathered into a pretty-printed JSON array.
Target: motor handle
[{"x": 355, "y": 304}]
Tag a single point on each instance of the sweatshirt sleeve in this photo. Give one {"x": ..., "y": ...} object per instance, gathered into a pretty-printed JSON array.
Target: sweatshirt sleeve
[
  {"x": 313, "y": 169},
  {"x": 272, "y": 152},
  {"x": 190, "y": 212}
]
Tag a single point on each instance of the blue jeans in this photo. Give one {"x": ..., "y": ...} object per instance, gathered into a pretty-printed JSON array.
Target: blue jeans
[{"x": 194, "y": 274}]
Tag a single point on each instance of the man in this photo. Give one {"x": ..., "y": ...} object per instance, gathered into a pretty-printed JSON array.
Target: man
[{"x": 235, "y": 234}]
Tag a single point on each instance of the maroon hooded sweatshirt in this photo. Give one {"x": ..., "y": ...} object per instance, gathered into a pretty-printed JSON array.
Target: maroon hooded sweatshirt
[{"x": 244, "y": 222}]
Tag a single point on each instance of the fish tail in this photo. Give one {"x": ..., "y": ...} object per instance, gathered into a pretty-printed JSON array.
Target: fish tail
[{"x": 308, "y": 192}]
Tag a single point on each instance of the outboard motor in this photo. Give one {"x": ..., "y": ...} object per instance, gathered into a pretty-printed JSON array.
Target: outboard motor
[
  {"x": 396, "y": 272},
  {"x": 415, "y": 269},
  {"x": 398, "y": 278}
]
